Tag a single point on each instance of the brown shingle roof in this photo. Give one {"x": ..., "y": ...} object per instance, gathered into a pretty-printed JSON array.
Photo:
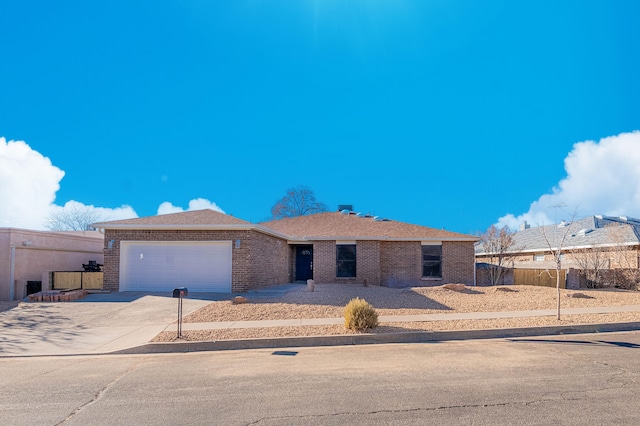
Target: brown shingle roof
[
  {"x": 333, "y": 225},
  {"x": 336, "y": 224},
  {"x": 195, "y": 217}
]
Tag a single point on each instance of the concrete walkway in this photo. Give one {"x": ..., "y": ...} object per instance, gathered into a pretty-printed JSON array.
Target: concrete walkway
[{"x": 222, "y": 325}]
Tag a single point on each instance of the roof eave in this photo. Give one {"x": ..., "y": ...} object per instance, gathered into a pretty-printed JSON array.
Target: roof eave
[
  {"x": 174, "y": 227},
  {"x": 376, "y": 238},
  {"x": 574, "y": 247}
]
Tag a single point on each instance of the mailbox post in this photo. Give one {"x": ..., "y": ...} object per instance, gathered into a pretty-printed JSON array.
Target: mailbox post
[{"x": 179, "y": 293}]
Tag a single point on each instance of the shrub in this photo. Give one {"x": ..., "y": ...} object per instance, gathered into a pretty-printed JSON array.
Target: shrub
[{"x": 359, "y": 315}]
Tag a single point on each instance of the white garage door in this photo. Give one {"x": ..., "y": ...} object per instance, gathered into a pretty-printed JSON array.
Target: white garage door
[{"x": 163, "y": 266}]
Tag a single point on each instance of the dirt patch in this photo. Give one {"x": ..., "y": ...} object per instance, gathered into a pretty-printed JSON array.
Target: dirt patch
[
  {"x": 334, "y": 330},
  {"x": 328, "y": 301}
]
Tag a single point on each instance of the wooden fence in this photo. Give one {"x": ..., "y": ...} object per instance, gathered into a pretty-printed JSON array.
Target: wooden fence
[
  {"x": 76, "y": 280},
  {"x": 539, "y": 277}
]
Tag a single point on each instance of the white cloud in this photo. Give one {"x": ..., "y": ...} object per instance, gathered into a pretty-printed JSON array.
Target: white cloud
[
  {"x": 28, "y": 186},
  {"x": 602, "y": 178},
  {"x": 102, "y": 214},
  {"x": 195, "y": 204}
]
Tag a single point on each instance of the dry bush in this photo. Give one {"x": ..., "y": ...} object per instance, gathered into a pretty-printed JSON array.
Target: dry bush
[{"x": 359, "y": 315}]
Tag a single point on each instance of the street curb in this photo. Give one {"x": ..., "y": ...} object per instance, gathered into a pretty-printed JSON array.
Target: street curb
[{"x": 370, "y": 339}]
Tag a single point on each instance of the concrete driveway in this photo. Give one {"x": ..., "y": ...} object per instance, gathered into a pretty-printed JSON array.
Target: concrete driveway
[{"x": 99, "y": 323}]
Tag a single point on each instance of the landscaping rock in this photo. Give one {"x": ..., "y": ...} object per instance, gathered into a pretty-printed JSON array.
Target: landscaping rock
[
  {"x": 505, "y": 289},
  {"x": 579, "y": 296},
  {"x": 455, "y": 287},
  {"x": 238, "y": 300},
  {"x": 310, "y": 285}
]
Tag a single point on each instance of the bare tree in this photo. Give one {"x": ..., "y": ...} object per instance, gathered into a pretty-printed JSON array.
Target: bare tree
[
  {"x": 591, "y": 261},
  {"x": 298, "y": 201},
  {"x": 72, "y": 219},
  {"x": 498, "y": 245},
  {"x": 555, "y": 242}
]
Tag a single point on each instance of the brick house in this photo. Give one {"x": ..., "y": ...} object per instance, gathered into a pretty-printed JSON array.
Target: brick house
[
  {"x": 608, "y": 244},
  {"x": 206, "y": 250},
  {"x": 616, "y": 238}
]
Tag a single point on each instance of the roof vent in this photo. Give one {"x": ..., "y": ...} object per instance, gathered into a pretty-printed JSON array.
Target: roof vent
[
  {"x": 584, "y": 231},
  {"x": 361, "y": 215},
  {"x": 345, "y": 212},
  {"x": 380, "y": 219},
  {"x": 624, "y": 218},
  {"x": 562, "y": 224}
]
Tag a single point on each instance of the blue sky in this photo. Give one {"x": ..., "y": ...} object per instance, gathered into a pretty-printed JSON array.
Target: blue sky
[{"x": 449, "y": 114}]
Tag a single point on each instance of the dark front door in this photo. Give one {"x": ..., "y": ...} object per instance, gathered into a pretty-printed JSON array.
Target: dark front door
[{"x": 304, "y": 263}]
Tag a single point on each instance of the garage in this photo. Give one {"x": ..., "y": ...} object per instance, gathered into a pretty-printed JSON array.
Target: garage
[{"x": 162, "y": 266}]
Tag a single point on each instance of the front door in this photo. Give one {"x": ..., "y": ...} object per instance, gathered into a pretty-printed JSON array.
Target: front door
[{"x": 304, "y": 263}]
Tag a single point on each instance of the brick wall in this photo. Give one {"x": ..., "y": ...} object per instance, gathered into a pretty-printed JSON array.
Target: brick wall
[
  {"x": 260, "y": 260},
  {"x": 368, "y": 262},
  {"x": 270, "y": 261},
  {"x": 395, "y": 263},
  {"x": 324, "y": 261},
  {"x": 458, "y": 262},
  {"x": 401, "y": 264},
  {"x": 263, "y": 260}
]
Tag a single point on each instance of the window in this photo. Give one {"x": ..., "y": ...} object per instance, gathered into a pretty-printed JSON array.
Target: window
[
  {"x": 432, "y": 261},
  {"x": 346, "y": 260},
  {"x": 538, "y": 257}
]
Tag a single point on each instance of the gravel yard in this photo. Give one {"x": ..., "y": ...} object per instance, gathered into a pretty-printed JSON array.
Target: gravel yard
[
  {"x": 328, "y": 301},
  {"x": 5, "y": 306}
]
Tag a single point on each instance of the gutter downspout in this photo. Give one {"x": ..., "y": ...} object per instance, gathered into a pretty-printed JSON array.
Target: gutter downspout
[
  {"x": 12, "y": 274},
  {"x": 475, "y": 271}
]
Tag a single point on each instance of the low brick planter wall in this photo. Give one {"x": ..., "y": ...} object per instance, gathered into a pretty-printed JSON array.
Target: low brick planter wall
[{"x": 57, "y": 296}]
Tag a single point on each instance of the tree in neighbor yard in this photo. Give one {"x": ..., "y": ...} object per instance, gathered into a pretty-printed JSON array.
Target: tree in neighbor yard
[
  {"x": 498, "y": 245},
  {"x": 555, "y": 242},
  {"x": 591, "y": 261},
  {"x": 299, "y": 201},
  {"x": 72, "y": 219}
]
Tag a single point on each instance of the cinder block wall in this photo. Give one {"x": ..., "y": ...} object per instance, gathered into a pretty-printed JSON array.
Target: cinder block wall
[{"x": 249, "y": 270}]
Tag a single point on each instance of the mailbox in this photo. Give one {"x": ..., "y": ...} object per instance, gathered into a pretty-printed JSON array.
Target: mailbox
[{"x": 180, "y": 292}]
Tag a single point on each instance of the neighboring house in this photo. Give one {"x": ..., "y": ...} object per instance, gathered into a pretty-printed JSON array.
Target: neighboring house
[
  {"x": 27, "y": 256},
  {"x": 210, "y": 251},
  {"x": 615, "y": 239}
]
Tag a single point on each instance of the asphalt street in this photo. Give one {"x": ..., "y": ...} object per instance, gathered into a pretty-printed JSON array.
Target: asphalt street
[{"x": 577, "y": 379}]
